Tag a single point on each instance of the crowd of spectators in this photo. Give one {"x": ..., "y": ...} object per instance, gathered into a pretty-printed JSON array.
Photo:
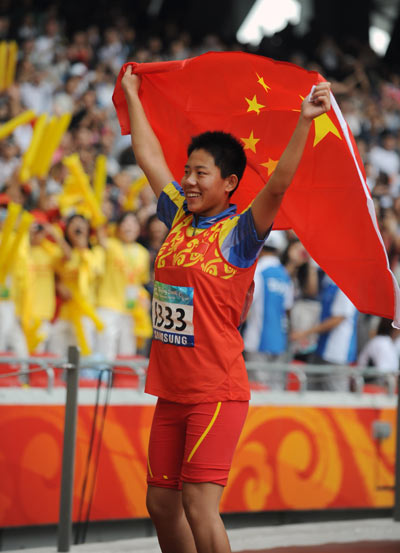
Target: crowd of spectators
[{"x": 76, "y": 73}]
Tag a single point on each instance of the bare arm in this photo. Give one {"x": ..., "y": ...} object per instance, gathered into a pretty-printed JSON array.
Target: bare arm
[
  {"x": 59, "y": 240},
  {"x": 320, "y": 328},
  {"x": 311, "y": 283},
  {"x": 146, "y": 146},
  {"x": 268, "y": 201}
]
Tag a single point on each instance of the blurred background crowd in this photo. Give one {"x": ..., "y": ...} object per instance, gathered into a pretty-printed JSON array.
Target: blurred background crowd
[{"x": 83, "y": 274}]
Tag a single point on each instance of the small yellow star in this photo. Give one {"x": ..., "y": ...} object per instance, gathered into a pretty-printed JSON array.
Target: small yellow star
[
  {"x": 254, "y": 105},
  {"x": 270, "y": 165},
  {"x": 250, "y": 143},
  {"x": 302, "y": 98},
  {"x": 262, "y": 83}
]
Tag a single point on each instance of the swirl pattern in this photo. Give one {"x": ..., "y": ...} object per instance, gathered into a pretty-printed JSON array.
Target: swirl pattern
[{"x": 172, "y": 253}]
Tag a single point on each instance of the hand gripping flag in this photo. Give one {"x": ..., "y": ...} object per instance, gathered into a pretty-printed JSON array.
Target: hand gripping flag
[{"x": 258, "y": 100}]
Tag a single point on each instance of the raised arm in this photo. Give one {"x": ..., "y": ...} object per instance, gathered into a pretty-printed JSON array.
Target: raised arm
[
  {"x": 267, "y": 202},
  {"x": 146, "y": 146}
]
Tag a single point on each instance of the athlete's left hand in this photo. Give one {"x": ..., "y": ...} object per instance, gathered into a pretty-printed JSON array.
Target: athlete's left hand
[{"x": 317, "y": 102}]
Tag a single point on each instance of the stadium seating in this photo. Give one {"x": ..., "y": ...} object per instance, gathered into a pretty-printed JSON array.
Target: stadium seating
[{"x": 9, "y": 369}]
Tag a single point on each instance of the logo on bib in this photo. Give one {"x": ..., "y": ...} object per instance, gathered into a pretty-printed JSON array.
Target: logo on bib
[{"x": 172, "y": 314}]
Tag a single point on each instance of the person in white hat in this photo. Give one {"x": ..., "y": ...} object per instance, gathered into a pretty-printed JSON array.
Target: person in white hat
[{"x": 265, "y": 335}]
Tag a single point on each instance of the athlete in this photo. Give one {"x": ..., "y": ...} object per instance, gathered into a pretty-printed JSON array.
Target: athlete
[{"x": 203, "y": 275}]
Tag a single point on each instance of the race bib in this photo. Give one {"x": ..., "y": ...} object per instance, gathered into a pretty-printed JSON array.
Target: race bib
[
  {"x": 131, "y": 293},
  {"x": 172, "y": 314}
]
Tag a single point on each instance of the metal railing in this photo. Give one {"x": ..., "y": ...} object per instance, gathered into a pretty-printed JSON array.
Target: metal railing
[
  {"x": 306, "y": 376},
  {"x": 68, "y": 458},
  {"x": 313, "y": 377},
  {"x": 28, "y": 366}
]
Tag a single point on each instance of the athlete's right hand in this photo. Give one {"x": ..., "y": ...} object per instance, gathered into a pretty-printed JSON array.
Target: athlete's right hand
[{"x": 130, "y": 82}]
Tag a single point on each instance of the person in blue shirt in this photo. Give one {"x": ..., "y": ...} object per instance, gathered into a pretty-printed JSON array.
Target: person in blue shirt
[
  {"x": 266, "y": 331},
  {"x": 337, "y": 342}
]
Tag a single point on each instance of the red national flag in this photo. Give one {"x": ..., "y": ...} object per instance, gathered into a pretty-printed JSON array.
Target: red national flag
[{"x": 258, "y": 100}]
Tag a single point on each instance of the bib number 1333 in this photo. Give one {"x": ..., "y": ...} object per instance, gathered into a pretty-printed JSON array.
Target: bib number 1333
[{"x": 172, "y": 314}]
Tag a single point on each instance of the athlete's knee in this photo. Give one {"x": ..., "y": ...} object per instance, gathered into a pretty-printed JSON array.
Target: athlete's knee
[
  {"x": 155, "y": 502},
  {"x": 201, "y": 502},
  {"x": 163, "y": 503},
  {"x": 193, "y": 509}
]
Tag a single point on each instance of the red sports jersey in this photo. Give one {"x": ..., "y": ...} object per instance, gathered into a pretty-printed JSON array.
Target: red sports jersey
[{"x": 196, "y": 354}]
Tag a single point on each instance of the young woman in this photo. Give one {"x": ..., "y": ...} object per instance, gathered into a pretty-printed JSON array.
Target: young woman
[
  {"x": 76, "y": 285},
  {"x": 203, "y": 275},
  {"x": 120, "y": 290}
]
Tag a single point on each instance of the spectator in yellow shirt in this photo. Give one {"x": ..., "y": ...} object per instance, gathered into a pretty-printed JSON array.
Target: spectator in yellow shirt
[
  {"x": 121, "y": 292},
  {"x": 76, "y": 287},
  {"x": 11, "y": 335},
  {"x": 47, "y": 248}
]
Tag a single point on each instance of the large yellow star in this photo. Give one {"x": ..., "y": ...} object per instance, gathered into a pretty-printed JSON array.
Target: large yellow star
[
  {"x": 254, "y": 105},
  {"x": 323, "y": 125},
  {"x": 262, "y": 83},
  {"x": 270, "y": 165},
  {"x": 250, "y": 143}
]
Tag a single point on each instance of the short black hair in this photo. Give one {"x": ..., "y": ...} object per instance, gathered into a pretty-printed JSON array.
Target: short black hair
[
  {"x": 126, "y": 214},
  {"x": 227, "y": 151},
  {"x": 385, "y": 327}
]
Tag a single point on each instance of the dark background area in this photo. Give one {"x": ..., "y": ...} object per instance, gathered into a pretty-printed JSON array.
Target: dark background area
[{"x": 346, "y": 21}]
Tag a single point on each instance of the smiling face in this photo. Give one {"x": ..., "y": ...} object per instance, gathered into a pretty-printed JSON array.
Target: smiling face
[
  {"x": 129, "y": 229},
  {"x": 37, "y": 234},
  {"x": 77, "y": 232},
  {"x": 206, "y": 192}
]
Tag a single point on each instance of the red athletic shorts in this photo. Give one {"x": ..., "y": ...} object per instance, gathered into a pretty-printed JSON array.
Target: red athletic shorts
[{"x": 193, "y": 443}]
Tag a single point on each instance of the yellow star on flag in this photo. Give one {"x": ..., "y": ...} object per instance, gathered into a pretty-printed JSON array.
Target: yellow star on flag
[
  {"x": 262, "y": 83},
  {"x": 254, "y": 105},
  {"x": 270, "y": 165},
  {"x": 302, "y": 98},
  {"x": 250, "y": 143},
  {"x": 323, "y": 126}
]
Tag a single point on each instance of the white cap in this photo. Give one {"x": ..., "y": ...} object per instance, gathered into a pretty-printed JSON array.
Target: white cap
[
  {"x": 276, "y": 240},
  {"x": 78, "y": 70}
]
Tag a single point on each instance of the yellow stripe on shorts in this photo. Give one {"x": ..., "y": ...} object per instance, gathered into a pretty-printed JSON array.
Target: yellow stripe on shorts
[
  {"x": 206, "y": 431},
  {"x": 148, "y": 466}
]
